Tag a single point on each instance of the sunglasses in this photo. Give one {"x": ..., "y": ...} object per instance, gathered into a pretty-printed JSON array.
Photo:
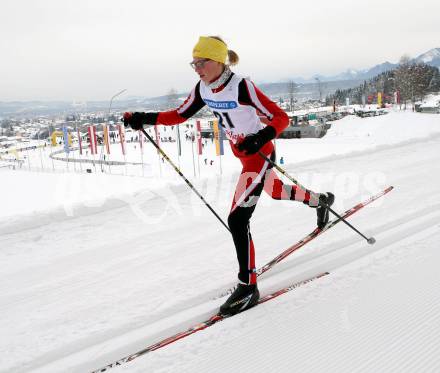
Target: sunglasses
[{"x": 199, "y": 64}]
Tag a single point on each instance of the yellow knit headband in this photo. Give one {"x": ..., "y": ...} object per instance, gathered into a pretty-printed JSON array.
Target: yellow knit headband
[{"x": 210, "y": 48}]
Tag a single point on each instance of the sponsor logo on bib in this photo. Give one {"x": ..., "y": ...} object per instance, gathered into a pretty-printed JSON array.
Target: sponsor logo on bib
[{"x": 221, "y": 104}]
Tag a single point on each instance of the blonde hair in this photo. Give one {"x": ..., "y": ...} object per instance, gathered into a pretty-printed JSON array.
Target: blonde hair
[{"x": 232, "y": 56}]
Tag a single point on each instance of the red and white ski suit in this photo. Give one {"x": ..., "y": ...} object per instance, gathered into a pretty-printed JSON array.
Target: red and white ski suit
[{"x": 240, "y": 108}]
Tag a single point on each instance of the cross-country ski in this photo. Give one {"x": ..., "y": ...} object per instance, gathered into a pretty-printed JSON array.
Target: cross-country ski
[
  {"x": 312, "y": 235},
  {"x": 201, "y": 326},
  {"x": 165, "y": 166},
  {"x": 219, "y": 317}
]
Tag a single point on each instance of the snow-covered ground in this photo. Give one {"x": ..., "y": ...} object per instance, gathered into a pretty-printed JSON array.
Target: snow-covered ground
[
  {"x": 431, "y": 101},
  {"x": 95, "y": 266}
]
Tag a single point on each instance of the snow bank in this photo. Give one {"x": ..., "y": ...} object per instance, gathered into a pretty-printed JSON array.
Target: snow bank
[{"x": 37, "y": 193}]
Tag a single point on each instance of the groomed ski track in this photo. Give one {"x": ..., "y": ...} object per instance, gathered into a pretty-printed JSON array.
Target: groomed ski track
[{"x": 114, "y": 283}]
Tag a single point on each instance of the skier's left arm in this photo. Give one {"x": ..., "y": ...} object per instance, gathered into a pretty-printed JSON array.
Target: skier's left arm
[{"x": 274, "y": 117}]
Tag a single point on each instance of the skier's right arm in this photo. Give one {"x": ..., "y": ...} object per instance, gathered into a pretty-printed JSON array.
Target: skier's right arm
[{"x": 191, "y": 106}]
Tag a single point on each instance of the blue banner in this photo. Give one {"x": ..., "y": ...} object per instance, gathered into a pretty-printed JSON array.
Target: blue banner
[{"x": 66, "y": 140}]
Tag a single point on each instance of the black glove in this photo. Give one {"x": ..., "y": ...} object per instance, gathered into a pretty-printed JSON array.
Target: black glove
[
  {"x": 137, "y": 120},
  {"x": 252, "y": 143}
]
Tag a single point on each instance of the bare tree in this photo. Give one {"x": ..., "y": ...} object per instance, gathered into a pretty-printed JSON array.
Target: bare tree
[
  {"x": 414, "y": 80},
  {"x": 405, "y": 60},
  {"x": 403, "y": 79}
]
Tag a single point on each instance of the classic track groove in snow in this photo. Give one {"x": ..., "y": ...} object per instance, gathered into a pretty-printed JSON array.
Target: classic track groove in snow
[{"x": 78, "y": 292}]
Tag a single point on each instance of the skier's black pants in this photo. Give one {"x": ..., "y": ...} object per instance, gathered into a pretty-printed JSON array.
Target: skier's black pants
[
  {"x": 256, "y": 171},
  {"x": 248, "y": 191}
]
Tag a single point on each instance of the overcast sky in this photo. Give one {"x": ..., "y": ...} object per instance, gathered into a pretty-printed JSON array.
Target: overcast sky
[{"x": 90, "y": 49}]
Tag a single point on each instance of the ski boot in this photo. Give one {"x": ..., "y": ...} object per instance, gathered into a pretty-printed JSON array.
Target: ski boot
[
  {"x": 243, "y": 298},
  {"x": 322, "y": 212}
]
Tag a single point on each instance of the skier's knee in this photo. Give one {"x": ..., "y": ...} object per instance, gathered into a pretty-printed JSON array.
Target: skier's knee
[{"x": 237, "y": 221}]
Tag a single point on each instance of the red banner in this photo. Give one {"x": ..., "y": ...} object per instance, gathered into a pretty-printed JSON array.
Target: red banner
[{"x": 93, "y": 142}]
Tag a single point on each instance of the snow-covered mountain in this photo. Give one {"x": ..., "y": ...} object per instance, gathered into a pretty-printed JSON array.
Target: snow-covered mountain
[
  {"x": 431, "y": 57},
  {"x": 352, "y": 74}
]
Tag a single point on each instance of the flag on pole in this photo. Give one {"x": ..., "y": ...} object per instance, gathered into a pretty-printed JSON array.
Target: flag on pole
[
  {"x": 122, "y": 137},
  {"x": 199, "y": 138},
  {"x": 379, "y": 99},
  {"x": 179, "y": 145},
  {"x": 156, "y": 131},
  {"x": 93, "y": 142},
  {"x": 66, "y": 140},
  {"x": 79, "y": 141},
  {"x": 141, "y": 142},
  {"x": 141, "y": 147},
  {"x": 106, "y": 138},
  {"x": 218, "y": 137}
]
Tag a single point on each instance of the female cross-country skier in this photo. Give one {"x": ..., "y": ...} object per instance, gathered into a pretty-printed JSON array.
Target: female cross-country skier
[{"x": 240, "y": 108}]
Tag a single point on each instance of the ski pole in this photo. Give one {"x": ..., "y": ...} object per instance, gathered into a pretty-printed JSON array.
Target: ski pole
[
  {"x": 370, "y": 240},
  {"x": 184, "y": 178}
]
